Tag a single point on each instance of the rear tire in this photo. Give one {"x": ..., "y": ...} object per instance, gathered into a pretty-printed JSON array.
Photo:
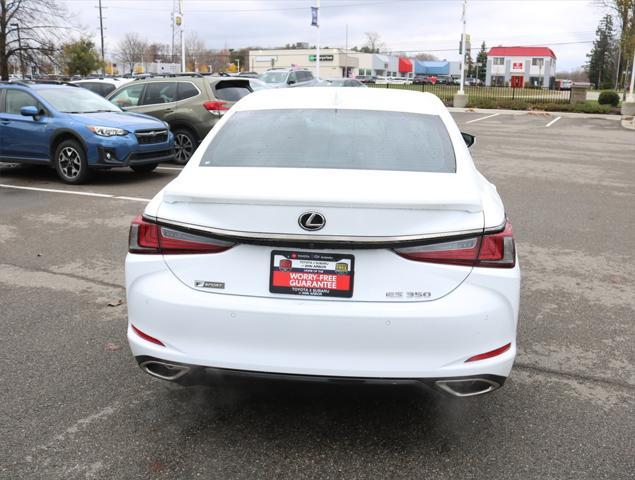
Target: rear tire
[
  {"x": 144, "y": 168},
  {"x": 184, "y": 145},
  {"x": 70, "y": 162}
]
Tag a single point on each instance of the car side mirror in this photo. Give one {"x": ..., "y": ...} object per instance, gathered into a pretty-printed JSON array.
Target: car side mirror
[
  {"x": 290, "y": 82},
  {"x": 468, "y": 139},
  {"x": 30, "y": 111}
]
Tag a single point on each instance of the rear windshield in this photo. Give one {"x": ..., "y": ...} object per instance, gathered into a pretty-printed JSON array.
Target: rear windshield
[
  {"x": 329, "y": 138},
  {"x": 231, "y": 90}
]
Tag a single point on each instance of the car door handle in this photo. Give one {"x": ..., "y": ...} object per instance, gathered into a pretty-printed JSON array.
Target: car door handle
[{"x": 5, "y": 121}]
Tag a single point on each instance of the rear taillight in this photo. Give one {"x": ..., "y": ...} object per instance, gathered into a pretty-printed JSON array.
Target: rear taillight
[
  {"x": 217, "y": 107},
  {"x": 148, "y": 237},
  {"x": 492, "y": 250}
]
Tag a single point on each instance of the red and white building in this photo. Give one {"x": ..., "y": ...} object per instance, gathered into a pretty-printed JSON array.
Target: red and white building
[{"x": 521, "y": 67}]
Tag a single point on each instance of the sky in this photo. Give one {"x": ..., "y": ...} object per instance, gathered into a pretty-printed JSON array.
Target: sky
[{"x": 432, "y": 26}]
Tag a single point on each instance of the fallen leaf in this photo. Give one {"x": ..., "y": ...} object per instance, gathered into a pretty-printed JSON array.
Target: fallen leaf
[
  {"x": 113, "y": 347},
  {"x": 115, "y": 303}
]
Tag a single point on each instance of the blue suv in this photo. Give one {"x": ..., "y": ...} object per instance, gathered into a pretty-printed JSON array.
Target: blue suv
[{"x": 77, "y": 131}]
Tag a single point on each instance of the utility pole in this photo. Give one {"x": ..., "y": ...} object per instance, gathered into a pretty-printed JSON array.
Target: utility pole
[
  {"x": 631, "y": 97},
  {"x": 173, "y": 23},
  {"x": 182, "y": 37},
  {"x": 22, "y": 71},
  {"x": 346, "y": 51},
  {"x": 101, "y": 29}
]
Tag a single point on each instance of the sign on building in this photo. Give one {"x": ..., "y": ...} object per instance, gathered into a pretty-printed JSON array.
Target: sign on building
[{"x": 323, "y": 58}]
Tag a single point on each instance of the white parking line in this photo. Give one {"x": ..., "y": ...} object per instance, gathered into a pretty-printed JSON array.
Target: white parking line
[
  {"x": 483, "y": 118},
  {"x": 553, "y": 121},
  {"x": 76, "y": 192}
]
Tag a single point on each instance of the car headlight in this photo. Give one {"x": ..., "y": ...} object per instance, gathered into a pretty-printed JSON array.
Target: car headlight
[{"x": 107, "y": 131}]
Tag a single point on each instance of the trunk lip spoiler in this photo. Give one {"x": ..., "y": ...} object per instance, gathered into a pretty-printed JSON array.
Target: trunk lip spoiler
[{"x": 312, "y": 241}]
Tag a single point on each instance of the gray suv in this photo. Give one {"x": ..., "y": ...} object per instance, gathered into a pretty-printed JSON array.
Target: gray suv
[
  {"x": 287, "y": 77},
  {"x": 191, "y": 105}
]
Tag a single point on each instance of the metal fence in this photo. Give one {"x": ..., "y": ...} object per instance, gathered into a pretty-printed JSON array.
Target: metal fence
[{"x": 446, "y": 93}]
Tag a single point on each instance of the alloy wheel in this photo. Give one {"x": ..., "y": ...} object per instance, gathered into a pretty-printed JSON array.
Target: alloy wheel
[
  {"x": 184, "y": 147},
  {"x": 70, "y": 162}
]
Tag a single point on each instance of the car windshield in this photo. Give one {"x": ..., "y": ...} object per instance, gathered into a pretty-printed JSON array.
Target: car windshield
[
  {"x": 333, "y": 138},
  {"x": 76, "y": 100},
  {"x": 273, "y": 77}
]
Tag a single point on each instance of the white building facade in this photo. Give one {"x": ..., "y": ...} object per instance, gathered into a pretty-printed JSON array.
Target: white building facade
[{"x": 520, "y": 67}]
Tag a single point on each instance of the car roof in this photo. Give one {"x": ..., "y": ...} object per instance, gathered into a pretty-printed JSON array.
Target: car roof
[{"x": 395, "y": 100}]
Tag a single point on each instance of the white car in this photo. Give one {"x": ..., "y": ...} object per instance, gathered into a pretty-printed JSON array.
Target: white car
[
  {"x": 336, "y": 234},
  {"x": 399, "y": 80},
  {"x": 102, "y": 86}
]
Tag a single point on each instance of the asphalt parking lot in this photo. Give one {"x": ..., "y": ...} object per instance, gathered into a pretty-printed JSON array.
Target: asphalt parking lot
[{"x": 75, "y": 405}]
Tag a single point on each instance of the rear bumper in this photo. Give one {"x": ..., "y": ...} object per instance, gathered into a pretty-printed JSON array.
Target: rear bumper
[
  {"x": 189, "y": 375},
  {"x": 296, "y": 336}
]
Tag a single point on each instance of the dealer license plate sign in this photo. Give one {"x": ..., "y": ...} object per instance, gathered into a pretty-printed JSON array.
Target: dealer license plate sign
[{"x": 312, "y": 274}]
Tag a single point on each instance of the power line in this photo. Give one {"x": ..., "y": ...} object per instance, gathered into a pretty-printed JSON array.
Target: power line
[{"x": 427, "y": 50}]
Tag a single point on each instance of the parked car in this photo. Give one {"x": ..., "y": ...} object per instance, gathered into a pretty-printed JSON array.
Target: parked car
[
  {"x": 341, "y": 82},
  {"x": 191, "y": 105},
  {"x": 444, "y": 80},
  {"x": 102, "y": 86},
  {"x": 421, "y": 80},
  {"x": 77, "y": 131},
  {"x": 257, "y": 84},
  {"x": 381, "y": 80},
  {"x": 248, "y": 74},
  {"x": 563, "y": 84},
  {"x": 365, "y": 78},
  {"x": 474, "y": 82},
  {"x": 249, "y": 263},
  {"x": 398, "y": 80},
  {"x": 287, "y": 77}
]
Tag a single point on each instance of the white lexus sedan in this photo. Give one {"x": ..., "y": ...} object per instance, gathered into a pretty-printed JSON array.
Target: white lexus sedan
[{"x": 329, "y": 234}]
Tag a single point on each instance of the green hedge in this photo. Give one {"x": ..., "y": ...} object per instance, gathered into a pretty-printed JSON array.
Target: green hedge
[
  {"x": 581, "y": 107},
  {"x": 609, "y": 97}
]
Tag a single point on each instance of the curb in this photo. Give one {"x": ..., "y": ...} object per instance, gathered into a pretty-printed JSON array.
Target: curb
[
  {"x": 628, "y": 122},
  {"x": 606, "y": 116}
]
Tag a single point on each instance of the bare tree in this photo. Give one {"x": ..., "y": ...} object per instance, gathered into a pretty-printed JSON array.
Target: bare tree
[
  {"x": 131, "y": 50},
  {"x": 28, "y": 31},
  {"x": 373, "y": 42},
  {"x": 194, "y": 51},
  {"x": 426, "y": 57}
]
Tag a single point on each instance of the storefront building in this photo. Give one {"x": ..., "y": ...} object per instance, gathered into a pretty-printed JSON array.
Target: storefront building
[
  {"x": 520, "y": 67},
  {"x": 405, "y": 67},
  {"x": 334, "y": 63},
  {"x": 377, "y": 64},
  {"x": 437, "y": 68}
]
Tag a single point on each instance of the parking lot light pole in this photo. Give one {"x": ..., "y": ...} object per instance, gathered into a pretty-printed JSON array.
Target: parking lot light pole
[
  {"x": 460, "y": 98},
  {"x": 317, "y": 57},
  {"x": 461, "y": 92}
]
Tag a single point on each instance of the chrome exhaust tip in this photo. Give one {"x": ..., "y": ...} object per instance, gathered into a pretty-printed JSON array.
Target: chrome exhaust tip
[
  {"x": 467, "y": 387},
  {"x": 164, "y": 370}
]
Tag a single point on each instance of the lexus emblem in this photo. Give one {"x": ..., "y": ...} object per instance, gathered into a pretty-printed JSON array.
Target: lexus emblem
[{"x": 312, "y": 221}]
